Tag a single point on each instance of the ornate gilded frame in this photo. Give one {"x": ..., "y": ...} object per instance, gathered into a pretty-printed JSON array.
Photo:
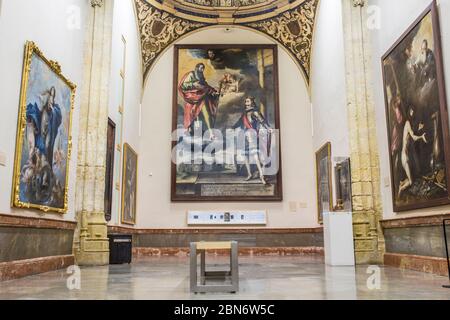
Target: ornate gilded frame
[
  {"x": 32, "y": 49},
  {"x": 324, "y": 152},
  {"x": 126, "y": 149}
]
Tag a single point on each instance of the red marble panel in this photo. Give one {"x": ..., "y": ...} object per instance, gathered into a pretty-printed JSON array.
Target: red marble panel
[
  {"x": 418, "y": 263},
  {"x": 22, "y": 268},
  {"x": 256, "y": 251}
]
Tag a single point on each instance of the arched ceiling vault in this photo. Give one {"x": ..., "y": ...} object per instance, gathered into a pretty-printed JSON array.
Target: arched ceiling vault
[{"x": 288, "y": 22}]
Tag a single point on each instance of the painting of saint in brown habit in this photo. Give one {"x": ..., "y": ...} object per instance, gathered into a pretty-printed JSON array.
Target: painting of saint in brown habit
[{"x": 417, "y": 117}]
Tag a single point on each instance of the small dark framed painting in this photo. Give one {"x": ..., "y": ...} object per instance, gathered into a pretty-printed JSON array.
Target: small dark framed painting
[
  {"x": 343, "y": 185},
  {"x": 324, "y": 180},
  {"x": 109, "y": 174},
  {"x": 417, "y": 117}
]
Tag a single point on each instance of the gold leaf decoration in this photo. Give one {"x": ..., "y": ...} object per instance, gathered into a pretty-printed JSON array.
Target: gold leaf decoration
[
  {"x": 159, "y": 29},
  {"x": 161, "y": 25},
  {"x": 294, "y": 30}
]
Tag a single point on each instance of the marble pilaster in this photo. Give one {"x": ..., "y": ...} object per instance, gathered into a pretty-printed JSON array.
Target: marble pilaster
[
  {"x": 91, "y": 244},
  {"x": 369, "y": 243}
]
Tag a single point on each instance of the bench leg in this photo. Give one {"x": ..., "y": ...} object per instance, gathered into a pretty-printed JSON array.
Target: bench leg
[
  {"x": 234, "y": 266},
  {"x": 203, "y": 267},
  {"x": 193, "y": 267}
]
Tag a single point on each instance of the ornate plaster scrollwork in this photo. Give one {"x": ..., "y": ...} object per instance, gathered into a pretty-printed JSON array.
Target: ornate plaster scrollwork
[
  {"x": 160, "y": 26},
  {"x": 158, "y": 30},
  {"x": 294, "y": 30},
  {"x": 96, "y": 3}
]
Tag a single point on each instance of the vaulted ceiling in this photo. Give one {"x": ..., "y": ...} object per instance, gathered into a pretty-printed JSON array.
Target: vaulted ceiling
[{"x": 289, "y": 22}]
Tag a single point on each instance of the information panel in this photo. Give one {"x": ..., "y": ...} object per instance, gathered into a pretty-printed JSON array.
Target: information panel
[{"x": 227, "y": 218}]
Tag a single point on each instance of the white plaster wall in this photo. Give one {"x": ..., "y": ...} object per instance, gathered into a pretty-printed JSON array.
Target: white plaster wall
[
  {"x": 328, "y": 87},
  {"x": 328, "y": 80},
  {"x": 125, "y": 24},
  {"x": 47, "y": 22},
  {"x": 396, "y": 17},
  {"x": 154, "y": 207}
]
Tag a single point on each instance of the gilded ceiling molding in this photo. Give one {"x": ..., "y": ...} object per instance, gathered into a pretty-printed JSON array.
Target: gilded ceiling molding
[
  {"x": 294, "y": 29},
  {"x": 159, "y": 29},
  {"x": 290, "y": 23}
]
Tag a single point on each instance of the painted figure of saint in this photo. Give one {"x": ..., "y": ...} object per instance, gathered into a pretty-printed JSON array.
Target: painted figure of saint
[
  {"x": 130, "y": 195},
  {"x": 409, "y": 138},
  {"x": 426, "y": 64},
  {"x": 251, "y": 122},
  {"x": 201, "y": 100},
  {"x": 228, "y": 84},
  {"x": 42, "y": 130},
  {"x": 397, "y": 130}
]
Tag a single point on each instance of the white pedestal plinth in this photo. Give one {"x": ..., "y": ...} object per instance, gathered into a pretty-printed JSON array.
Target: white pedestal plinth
[{"x": 338, "y": 239}]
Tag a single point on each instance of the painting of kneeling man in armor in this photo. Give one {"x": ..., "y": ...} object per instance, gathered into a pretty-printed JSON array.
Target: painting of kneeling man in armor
[
  {"x": 417, "y": 117},
  {"x": 43, "y": 138},
  {"x": 226, "y": 122}
]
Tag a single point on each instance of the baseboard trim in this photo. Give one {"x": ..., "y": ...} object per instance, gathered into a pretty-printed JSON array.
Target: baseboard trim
[
  {"x": 425, "y": 264},
  {"x": 22, "y": 268},
  {"x": 127, "y": 230},
  {"x": 141, "y": 252}
]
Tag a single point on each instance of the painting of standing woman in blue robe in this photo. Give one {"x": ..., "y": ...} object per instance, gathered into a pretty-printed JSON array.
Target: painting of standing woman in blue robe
[{"x": 43, "y": 139}]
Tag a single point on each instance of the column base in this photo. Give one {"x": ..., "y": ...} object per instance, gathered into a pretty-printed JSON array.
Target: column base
[
  {"x": 364, "y": 258},
  {"x": 93, "y": 252},
  {"x": 92, "y": 258}
]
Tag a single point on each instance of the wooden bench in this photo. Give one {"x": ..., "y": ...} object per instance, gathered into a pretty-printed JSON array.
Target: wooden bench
[{"x": 200, "y": 248}]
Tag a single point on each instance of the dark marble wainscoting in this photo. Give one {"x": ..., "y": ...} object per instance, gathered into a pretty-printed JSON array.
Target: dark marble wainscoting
[
  {"x": 416, "y": 243},
  {"x": 33, "y": 245},
  {"x": 295, "y": 241}
]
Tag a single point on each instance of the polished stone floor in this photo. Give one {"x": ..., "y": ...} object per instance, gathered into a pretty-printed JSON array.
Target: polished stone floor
[{"x": 274, "y": 278}]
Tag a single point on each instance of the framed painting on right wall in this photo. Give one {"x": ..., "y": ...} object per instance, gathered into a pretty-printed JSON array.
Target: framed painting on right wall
[{"x": 417, "y": 117}]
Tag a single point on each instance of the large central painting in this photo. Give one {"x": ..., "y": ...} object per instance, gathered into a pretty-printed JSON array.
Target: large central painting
[{"x": 226, "y": 124}]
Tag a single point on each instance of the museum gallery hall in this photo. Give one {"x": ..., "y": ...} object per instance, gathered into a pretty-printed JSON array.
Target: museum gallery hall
[{"x": 224, "y": 150}]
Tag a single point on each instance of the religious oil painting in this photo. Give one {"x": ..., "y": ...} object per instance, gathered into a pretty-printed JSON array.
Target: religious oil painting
[
  {"x": 417, "y": 116},
  {"x": 226, "y": 124},
  {"x": 324, "y": 180},
  {"x": 43, "y": 145},
  {"x": 129, "y": 185}
]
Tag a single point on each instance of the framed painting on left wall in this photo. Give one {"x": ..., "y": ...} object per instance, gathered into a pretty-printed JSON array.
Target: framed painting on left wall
[
  {"x": 324, "y": 181},
  {"x": 43, "y": 142},
  {"x": 129, "y": 185}
]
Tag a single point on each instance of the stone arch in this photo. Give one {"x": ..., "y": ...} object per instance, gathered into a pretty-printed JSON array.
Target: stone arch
[{"x": 293, "y": 30}]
